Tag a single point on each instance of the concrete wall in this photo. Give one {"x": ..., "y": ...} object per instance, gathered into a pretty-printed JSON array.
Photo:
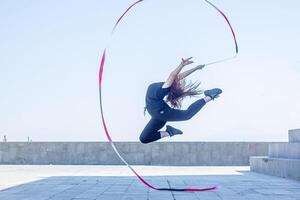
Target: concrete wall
[{"x": 159, "y": 153}]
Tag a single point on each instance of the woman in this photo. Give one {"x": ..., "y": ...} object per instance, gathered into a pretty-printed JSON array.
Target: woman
[{"x": 175, "y": 90}]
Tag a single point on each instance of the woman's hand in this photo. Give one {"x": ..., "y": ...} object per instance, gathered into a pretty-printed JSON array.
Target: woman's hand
[
  {"x": 187, "y": 61},
  {"x": 200, "y": 67}
]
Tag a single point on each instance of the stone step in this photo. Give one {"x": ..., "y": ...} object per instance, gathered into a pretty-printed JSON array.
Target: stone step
[
  {"x": 285, "y": 150},
  {"x": 281, "y": 167},
  {"x": 294, "y": 136}
]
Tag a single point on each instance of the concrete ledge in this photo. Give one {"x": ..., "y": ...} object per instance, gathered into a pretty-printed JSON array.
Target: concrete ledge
[
  {"x": 285, "y": 168},
  {"x": 159, "y": 153},
  {"x": 294, "y": 136},
  {"x": 287, "y": 150}
]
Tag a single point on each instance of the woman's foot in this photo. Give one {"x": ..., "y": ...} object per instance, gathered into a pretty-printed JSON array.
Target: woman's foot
[
  {"x": 173, "y": 131},
  {"x": 213, "y": 93}
]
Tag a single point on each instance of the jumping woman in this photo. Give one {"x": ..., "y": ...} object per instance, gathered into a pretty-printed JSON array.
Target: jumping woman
[{"x": 175, "y": 90}]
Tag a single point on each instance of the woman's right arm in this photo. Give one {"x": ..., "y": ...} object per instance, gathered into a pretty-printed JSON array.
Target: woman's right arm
[
  {"x": 182, "y": 75},
  {"x": 176, "y": 71}
]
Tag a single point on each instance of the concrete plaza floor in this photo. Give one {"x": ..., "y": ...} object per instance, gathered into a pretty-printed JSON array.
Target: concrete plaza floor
[{"x": 32, "y": 182}]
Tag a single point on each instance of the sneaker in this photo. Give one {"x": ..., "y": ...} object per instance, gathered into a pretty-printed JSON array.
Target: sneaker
[
  {"x": 173, "y": 131},
  {"x": 213, "y": 93}
]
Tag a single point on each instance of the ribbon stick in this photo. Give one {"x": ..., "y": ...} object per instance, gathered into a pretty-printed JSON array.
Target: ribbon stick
[
  {"x": 100, "y": 78},
  {"x": 233, "y": 34}
]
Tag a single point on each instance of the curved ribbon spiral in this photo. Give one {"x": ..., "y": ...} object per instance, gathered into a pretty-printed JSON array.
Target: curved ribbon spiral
[{"x": 102, "y": 63}]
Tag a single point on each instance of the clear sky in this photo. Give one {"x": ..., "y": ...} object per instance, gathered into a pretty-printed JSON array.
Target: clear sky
[{"x": 50, "y": 55}]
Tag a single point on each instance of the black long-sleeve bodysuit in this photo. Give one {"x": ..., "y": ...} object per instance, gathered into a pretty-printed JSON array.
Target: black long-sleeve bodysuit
[{"x": 161, "y": 112}]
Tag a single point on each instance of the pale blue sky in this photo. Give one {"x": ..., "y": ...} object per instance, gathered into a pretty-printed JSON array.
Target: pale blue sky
[{"x": 50, "y": 53}]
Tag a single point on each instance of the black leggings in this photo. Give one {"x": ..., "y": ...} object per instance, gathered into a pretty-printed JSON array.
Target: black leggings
[{"x": 159, "y": 119}]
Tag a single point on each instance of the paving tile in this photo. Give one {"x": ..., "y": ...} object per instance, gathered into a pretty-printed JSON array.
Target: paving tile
[{"x": 77, "y": 186}]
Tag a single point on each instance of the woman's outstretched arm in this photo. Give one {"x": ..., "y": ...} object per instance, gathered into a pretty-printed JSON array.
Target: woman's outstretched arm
[
  {"x": 188, "y": 72},
  {"x": 176, "y": 71}
]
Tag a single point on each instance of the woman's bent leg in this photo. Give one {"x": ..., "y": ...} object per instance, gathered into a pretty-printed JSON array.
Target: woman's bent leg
[
  {"x": 182, "y": 115},
  {"x": 151, "y": 131}
]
